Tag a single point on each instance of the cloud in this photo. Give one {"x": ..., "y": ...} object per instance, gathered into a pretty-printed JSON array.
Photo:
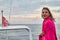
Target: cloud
[
  {"x": 56, "y": 15},
  {"x": 27, "y": 6},
  {"x": 30, "y": 19},
  {"x": 46, "y": 0},
  {"x": 58, "y": 11},
  {"x": 25, "y": 20},
  {"x": 54, "y": 3},
  {"x": 26, "y": 16},
  {"x": 1, "y": 0},
  {"x": 28, "y": 11},
  {"x": 52, "y": 8}
]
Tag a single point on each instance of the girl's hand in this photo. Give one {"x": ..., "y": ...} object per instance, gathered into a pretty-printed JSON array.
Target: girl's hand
[{"x": 42, "y": 34}]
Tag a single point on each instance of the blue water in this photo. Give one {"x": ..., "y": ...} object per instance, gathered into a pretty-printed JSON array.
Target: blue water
[{"x": 23, "y": 34}]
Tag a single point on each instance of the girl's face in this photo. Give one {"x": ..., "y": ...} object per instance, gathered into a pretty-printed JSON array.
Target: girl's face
[{"x": 45, "y": 14}]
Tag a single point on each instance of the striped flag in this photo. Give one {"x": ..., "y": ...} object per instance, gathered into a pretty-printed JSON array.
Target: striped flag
[{"x": 4, "y": 21}]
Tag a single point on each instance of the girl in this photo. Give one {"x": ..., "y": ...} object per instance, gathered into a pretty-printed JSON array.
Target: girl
[{"x": 48, "y": 26}]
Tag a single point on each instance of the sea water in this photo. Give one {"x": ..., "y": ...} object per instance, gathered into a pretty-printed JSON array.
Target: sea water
[{"x": 23, "y": 34}]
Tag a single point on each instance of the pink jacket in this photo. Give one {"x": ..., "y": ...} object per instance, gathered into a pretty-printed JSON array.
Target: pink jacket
[{"x": 48, "y": 27}]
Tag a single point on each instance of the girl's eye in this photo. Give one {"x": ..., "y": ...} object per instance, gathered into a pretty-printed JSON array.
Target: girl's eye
[
  {"x": 42, "y": 12},
  {"x": 46, "y": 12}
]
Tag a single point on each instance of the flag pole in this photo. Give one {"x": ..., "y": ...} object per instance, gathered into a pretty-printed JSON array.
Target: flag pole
[
  {"x": 2, "y": 15},
  {"x": 2, "y": 12}
]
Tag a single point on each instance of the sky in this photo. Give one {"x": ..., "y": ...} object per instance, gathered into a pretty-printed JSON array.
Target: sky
[{"x": 28, "y": 11}]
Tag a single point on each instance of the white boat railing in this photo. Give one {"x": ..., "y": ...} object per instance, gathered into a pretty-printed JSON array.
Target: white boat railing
[{"x": 18, "y": 27}]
